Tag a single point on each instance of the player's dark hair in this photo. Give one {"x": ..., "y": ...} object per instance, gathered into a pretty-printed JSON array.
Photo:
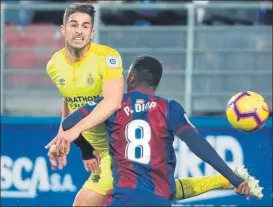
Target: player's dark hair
[
  {"x": 148, "y": 70},
  {"x": 79, "y": 7}
]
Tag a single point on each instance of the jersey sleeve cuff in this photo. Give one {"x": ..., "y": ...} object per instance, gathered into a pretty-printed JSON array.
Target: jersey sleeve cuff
[{"x": 113, "y": 74}]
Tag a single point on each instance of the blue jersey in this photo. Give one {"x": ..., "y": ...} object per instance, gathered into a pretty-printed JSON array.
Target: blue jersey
[{"x": 141, "y": 136}]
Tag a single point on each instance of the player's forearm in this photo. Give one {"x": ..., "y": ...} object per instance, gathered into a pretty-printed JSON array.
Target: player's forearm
[
  {"x": 65, "y": 111},
  {"x": 100, "y": 114},
  {"x": 201, "y": 148},
  {"x": 113, "y": 93}
]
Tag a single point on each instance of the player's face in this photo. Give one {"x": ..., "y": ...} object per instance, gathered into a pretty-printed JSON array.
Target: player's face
[{"x": 78, "y": 30}]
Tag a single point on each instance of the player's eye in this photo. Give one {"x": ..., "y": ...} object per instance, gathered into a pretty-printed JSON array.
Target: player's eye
[{"x": 73, "y": 25}]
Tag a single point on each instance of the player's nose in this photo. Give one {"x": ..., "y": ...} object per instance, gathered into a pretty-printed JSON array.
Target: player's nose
[{"x": 79, "y": 30}]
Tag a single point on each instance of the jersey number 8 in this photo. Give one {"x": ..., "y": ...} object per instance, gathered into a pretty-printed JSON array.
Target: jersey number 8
[{"x": 138, "y": 135}]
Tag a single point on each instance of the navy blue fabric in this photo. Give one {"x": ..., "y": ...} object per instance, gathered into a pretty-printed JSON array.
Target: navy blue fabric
[
  {"x": 201, "y": 148},
  {"x": 133, "y": 197}
]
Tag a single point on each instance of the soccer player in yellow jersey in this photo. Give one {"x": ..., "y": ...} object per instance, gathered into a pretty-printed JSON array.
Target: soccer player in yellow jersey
[{"x": 83, "y": 71}]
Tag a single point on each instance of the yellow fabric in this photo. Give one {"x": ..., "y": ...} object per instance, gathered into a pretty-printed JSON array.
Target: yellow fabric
[
  {"x": 104, "y": 181},
  {"x": 83, "y": 81},
  {"x": 190, "y": 187}
]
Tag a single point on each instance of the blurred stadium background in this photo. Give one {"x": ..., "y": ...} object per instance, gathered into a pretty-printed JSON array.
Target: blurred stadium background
[{"x": 210, "y": 51}]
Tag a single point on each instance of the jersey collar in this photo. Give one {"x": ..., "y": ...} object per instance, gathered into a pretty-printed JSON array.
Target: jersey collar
[{"x": 77, "y": 63}]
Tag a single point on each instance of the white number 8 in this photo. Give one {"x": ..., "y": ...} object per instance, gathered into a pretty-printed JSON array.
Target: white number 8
[{"x": 141, "y": 143}]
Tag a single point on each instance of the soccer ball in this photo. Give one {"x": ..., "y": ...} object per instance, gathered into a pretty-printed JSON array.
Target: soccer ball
[{"x": 247, "y": 111}]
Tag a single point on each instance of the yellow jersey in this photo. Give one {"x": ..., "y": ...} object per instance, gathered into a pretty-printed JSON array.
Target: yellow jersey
[{"x": 81, "y": 82}]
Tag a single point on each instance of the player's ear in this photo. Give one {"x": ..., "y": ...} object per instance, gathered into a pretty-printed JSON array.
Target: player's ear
[
  {"x": 92, "y": 33},
  {"x": 131, "y": 78},
  {"x": 62, "y": 30}
]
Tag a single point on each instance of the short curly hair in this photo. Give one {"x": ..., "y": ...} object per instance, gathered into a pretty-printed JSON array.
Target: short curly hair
[{"x": 148, "y": 70}]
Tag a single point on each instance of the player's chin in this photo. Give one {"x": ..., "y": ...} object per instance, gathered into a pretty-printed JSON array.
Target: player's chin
[{"x": 79, "y": 45}]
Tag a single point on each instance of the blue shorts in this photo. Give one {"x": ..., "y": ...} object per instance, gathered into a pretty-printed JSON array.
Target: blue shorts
[{"x": 131, "y": 197}]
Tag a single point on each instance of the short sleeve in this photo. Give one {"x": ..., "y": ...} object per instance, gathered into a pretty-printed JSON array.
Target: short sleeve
[
  {"x": 49, "y": 68},
  {"x": 51, "y": 71},
  {"x": 113, "y": 66},
  {"x": 177, "y": 118}
]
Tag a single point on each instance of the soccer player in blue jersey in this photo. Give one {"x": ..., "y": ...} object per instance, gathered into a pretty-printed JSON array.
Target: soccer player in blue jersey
[{"x": 141, "y": 136}]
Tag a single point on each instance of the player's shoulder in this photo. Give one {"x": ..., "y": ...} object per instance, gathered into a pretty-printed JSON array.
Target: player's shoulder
[
  {"x": 174, "y": 105},
  {"x": 161, "y": 98},
  {"x": 126, "y": 96},
  {"x": 57, "y": 55},
  {"x": 170, "y": 104},
  {"x": 54, "y": 59},
  {"x": 104, "y": 50}
]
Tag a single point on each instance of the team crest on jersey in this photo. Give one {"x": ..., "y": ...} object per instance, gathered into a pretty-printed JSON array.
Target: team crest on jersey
[
  {"x": 112, "y": 62},
  {"x": 95, "y": 178},
  {"x": 61, "y": 81},
  {"x": 90, "y": 79}
]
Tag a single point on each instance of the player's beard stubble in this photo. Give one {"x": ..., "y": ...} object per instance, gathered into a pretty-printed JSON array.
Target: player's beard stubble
[{"x": 76, "y": 53}]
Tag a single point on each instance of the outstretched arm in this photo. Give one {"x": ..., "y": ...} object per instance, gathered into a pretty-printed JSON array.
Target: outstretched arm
[
  {"x": 202, "y": 149},
  {"x": 90, "y": 157},
  {"x": 113, "y": 92},
  {"x": 73, "y": 119},
  {"x": 182, "y": 128},
  {"x": 70, "y": 121}
]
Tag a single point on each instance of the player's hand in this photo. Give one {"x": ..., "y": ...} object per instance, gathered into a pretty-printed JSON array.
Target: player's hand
[
  {"x": 253, "y": 183},
  {"x": 55, "y": 161},
  {"x": 92, "y": 164},
  {"x": 63, "y": 154},
  {"x": 62, "y": 136},
  {"x": 52, "y": 155},
  {"x": 63, "y": 148},
  {"x": 62, "y": 161},
  {"x": 243, "y": 189}
]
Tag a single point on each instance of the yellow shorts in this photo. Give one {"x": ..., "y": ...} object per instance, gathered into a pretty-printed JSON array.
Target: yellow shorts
[{"x": 102, "y": 182}]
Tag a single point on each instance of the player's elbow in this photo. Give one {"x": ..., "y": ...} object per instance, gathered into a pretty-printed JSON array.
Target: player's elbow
[
  {"x": 117, "y": 106},
  {"x": 117, "y": 103},
  {"x": 112, "y": 105}
]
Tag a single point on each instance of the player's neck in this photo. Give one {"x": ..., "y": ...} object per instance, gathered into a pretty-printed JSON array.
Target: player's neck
[
  {"x": 75, "y": 55},
  {"x": 144, "y": 89}
]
